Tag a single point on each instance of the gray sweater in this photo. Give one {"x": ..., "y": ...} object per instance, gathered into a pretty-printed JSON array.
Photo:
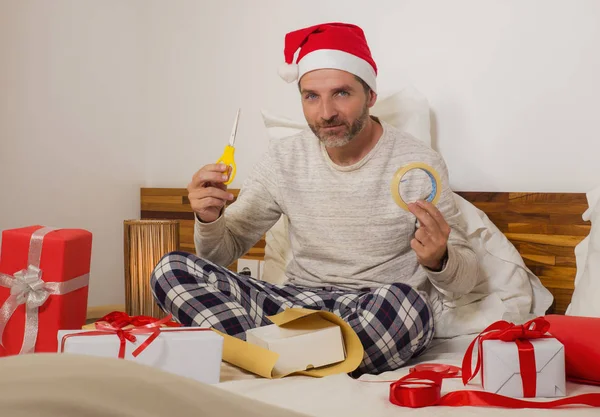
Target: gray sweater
[{"x": 345, "y": 228}]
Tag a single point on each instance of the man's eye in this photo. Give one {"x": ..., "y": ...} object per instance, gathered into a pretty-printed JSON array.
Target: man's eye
[
  {"x": 343, "y": 93},
  {"x": 310, "y": 96}
]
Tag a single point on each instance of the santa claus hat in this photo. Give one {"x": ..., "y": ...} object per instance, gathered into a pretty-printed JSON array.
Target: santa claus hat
[{"x": 330, "y": 45}]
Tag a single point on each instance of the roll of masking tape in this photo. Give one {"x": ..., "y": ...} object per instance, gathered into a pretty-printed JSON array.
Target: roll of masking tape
[{"x": 433, "y": 176}]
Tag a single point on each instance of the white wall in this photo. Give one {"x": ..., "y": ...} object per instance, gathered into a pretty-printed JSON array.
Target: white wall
[
  {"x": 72, "y": 123},
  {"x": 512, "y": 84},
  {"x": 145, "y": 92}
]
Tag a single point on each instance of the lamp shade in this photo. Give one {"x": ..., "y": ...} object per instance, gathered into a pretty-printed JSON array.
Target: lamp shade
[{"x": 145, "y": 243}]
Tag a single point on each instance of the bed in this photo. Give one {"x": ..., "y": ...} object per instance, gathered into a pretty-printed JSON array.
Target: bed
[{"x": 544, "y": 228}]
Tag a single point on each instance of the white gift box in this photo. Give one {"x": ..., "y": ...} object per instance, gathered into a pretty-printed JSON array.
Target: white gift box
[
  {"x": 316, "y": 343},
  {"x": 502, "y": 374},
  {"x": 191, "y": 354}
]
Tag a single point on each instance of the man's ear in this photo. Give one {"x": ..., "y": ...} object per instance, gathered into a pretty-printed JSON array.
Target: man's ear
[{"x": 372, "y": 98}]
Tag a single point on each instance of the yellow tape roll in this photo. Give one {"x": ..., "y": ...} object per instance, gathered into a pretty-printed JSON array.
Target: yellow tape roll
[{"x": 433, "y": 175}]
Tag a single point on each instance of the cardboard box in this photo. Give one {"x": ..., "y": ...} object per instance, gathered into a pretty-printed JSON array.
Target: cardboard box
[
  {"x": 501, "y": 368},
  {"x": 311, "y": 343},
  {"x": 191, "y": 354},
  {"x": 261, "y": 361}
]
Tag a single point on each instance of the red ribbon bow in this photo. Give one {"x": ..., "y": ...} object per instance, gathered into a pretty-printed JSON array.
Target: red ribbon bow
[
  {"x": 509, "y": 332},
  {"x": 105, "y": 327},
  {"x": 121, "y": 319}
]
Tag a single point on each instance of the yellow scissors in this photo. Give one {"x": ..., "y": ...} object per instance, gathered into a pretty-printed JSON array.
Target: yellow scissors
[{"x": 227, "y": 157}]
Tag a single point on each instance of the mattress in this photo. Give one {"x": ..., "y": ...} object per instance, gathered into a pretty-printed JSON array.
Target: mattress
[{"x": 340, "y": 395}]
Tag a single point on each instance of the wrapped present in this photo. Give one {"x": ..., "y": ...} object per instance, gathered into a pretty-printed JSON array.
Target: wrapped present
[
  {"x": 44, "y": 276},
  {"x": 518, "y": 360},
  {"x": 579, "y": 335},
  {"x": 191, "y": 352}
]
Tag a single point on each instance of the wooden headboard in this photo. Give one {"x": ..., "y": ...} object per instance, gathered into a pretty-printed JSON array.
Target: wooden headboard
[{"x": 544, "y": 228}]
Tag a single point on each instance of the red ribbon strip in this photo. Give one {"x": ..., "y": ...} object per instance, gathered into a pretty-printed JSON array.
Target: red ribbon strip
[
  {"x": 527, "y": 367},
  {"x": 124, "y": 335},
  {"x": 423, "y": 389},
  {"x": 509, "y": 332},
  {"x": 445, "y": 371}
]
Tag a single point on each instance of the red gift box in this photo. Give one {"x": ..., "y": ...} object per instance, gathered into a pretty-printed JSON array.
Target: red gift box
[
  {"x": 580, "y": 336},
  {"x": 44, "y": 275}
]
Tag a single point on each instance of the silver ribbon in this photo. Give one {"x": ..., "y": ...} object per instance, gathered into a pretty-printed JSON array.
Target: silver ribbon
[{"x": 27, "y": 287}]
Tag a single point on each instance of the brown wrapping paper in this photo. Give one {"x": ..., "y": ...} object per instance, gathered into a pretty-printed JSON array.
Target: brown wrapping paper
[{"x": 261, "y": 361}]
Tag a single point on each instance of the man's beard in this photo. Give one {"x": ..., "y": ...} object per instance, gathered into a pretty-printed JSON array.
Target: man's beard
[{"x": 344, "y": 135}]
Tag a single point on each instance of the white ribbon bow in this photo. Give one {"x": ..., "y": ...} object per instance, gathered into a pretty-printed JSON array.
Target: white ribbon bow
[{"x": 28, "y": 287}]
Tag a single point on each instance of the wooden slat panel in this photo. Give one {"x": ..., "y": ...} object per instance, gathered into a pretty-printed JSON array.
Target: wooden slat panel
[
  {"x": 552, "y": 282},
  {"x": 187, "y": 223},
  {"x": 528, "y": 228},
  {"x": 508, "y": 218},
  {"x": 537, "y": 208},
  {"x": 163, "y": 191},
  {"x": 548, "y": 198},
  {"x": 544, "y": 227},
  {"x": 540, "y": 249},
  {"x": 255, "y": 253},
  {"x": 476, "y": 196},
  {"x": 186, "y": 230},
  {"x": 553, "y": 240},
  {"x": 562, "y": 298},
  {"x": 567, "y": 219},
  {"x": 547, "y": 218},
  {"x": 571, "y": 230},
  {"x": 555, "y": 272},
  {"x": 531, "y": 260},
  {"x": 565, "y": 261},
  {"x": 179, "y": 207},
  {"x": 171, "y": 215},
  {"x": 530, "y": 208},
  {"x": 163, "y": 199},
  {"x": 188, "y": 247},
  {"x": 491, "y": 207}
]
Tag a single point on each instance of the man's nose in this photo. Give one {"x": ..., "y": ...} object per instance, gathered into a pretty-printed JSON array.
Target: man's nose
[{"x": 328, "y": 110}]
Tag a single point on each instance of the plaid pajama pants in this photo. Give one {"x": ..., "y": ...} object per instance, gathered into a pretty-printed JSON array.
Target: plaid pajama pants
[{"x": 393, "y": 322}]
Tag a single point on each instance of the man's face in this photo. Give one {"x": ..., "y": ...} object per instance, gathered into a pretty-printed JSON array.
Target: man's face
[{"x": 335, "y": 105}]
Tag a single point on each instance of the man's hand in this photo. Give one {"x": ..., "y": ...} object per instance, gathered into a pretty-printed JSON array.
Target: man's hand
[
  {"x": 207, "y": 193},
  {"x": 431, "y": 239}
]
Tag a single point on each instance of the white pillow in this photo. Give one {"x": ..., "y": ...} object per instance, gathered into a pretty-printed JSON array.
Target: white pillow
[
  {"x": 407, "y": 110},
  {"x": 277, "y": 252},
  {"x": 506, "y": 289},
  {"x": 587, "y": 255}
]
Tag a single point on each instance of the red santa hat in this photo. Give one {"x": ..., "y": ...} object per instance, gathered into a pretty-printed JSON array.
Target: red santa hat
[{"x": 330, "y": 45}]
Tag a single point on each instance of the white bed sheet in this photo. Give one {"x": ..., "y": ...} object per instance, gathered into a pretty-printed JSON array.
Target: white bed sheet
[{"x": 340, "y": 395}]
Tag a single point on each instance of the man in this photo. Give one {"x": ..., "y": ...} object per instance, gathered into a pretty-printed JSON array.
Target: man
[{"x": 355, "y": 251}]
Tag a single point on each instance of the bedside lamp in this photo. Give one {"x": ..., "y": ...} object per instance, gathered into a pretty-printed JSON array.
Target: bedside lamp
[{"x": 145, "y": 243}]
